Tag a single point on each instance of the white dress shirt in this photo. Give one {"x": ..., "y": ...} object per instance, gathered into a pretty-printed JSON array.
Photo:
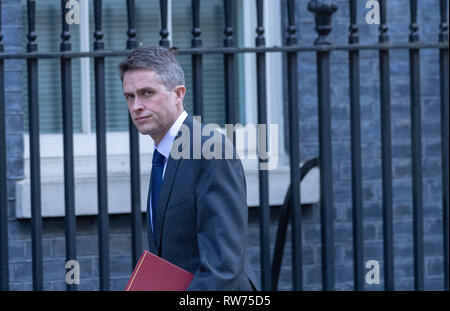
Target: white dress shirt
[{"x": 164, "y": 147}]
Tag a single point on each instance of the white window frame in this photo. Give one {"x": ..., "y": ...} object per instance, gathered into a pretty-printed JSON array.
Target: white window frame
[
  {"x": 85, "y": 63},
  {"x": 274, "y": 68},
  {"x": 274, "y": 78},
  {"x": 118, "y": 142}
]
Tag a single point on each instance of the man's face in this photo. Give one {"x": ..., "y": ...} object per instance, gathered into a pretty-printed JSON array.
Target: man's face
[{"x": 152, "y": 107}]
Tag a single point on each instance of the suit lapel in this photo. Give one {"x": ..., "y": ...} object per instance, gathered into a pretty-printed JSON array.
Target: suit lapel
[
  {"x": 166, "y": 188},
  {"x": 151, "y": 237},
  {"x": 169, "y": 176}
]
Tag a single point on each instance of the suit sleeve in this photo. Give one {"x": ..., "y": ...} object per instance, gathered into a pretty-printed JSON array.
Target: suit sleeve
[{"x": 222, "y": 217}]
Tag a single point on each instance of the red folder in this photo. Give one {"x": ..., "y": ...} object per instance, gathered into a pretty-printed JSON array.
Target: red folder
[{"x": 152, "y": 273}]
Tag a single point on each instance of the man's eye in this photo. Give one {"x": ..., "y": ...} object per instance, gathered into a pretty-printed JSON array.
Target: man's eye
[{"x": 148, "y": 93}]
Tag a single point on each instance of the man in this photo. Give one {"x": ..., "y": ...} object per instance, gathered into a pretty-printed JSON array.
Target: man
[{"x": 197, "y": 212}]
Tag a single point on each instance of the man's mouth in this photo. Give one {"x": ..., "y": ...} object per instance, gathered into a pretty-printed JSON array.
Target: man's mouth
[{"x": 140, "y": 119}]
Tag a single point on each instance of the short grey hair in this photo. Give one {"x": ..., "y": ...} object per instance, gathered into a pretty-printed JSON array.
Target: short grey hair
[{"x": 158, "y": 59}]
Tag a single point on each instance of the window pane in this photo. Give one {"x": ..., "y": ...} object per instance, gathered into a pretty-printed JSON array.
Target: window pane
[
  {"x": 115, "y": 26},
  {"x": 212, "y": 25},
  {"x": 48, "y": 29},
  {"x": 48, "y": 13}
]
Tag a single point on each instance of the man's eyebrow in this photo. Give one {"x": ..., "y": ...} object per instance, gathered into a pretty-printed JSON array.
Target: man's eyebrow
[
  {"x": 144, "y": 89},
  {"x": 140, "y": 90}
]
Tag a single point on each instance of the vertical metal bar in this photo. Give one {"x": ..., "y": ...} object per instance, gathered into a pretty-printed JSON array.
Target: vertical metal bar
[
  {"x": 69, "y": 179},
  {"x": 323, "y": 11},
  {"x": 164, "y": 33},
  {"x": 4, "y": 263},
  {"x": 135, "y": 176},
  {"x": 197, "y": 60},
  {"x": 386, "y": 153},
  {"x": 100, "y": 120},
  {"x": 230, "y": 104},
  {"x": 264, "y": 208},
  {"x": 131, "y": 33},
  {"x": 283, "y": 222},
  {"x": 443, "y": 61},
  {"x": 416, "y": 146},
  {"x": 35, "y": 171},
  {"x": 326, "y": 184},
  {"x": 294, "y": 150},
  {"x": 355, "y": 117}
]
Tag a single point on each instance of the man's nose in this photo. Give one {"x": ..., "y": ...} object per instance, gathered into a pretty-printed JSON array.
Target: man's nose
[{"x": 137, "y": 104}]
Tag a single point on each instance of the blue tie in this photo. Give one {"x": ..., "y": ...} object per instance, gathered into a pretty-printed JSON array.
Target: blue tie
[{"x": 156, "y": 182}]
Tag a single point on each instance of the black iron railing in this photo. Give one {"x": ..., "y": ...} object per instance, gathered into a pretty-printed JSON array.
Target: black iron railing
[
  {"x": 4, "y": 269},
  {"x": 355, "y": 130},
  {"x": 323, "y": 11},
  {"x": 443, "y": 62},
  {"x": 69, "y": 174}
]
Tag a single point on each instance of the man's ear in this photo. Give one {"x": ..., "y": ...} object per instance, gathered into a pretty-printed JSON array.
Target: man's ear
[{"x": 180, "y": 91}]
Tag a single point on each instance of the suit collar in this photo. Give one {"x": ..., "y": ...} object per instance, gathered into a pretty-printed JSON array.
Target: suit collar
[
  {"x": 166, "y": 143},
  {"x": 166, "y": 188}
]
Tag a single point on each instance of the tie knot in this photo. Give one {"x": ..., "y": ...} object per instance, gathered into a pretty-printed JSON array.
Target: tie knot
[{"x": 158, "y": 158}]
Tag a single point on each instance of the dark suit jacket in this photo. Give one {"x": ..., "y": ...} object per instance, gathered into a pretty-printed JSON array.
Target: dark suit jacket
[{"x": 202, "y": 219}]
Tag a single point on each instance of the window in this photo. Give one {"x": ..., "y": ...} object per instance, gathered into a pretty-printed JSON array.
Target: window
[
  {"x": 114, "y": 28},
  {"x": 48, "y": 14},
  {"x": 148, "y": 26}
]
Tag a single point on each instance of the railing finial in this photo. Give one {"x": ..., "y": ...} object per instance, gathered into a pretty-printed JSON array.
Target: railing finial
[
  {"x": 291, "y": 39},
  {"x": 196, "y": 32},
  {"x": 31, "y": 8},
  {"x": 228, "y": 31},
  {"x": 131, "y": 32},
  {"x": 443, "y": 26},
  {"x": 323, "y": 10},
  {"x": 1, "y": 34},
  {"x": 260, "y": 40},
  {"x": 65, "y": 33},
  {"x": 353, "y": 36},
  {"x": 164, "y": 33},
  {"x": 99, "y": 44}
]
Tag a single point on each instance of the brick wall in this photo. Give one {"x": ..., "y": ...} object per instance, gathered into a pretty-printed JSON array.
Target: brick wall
[
  {"x": 12, "y": 30},
  {"x": 120, "y": 236},
  {"x": 398, "y": 23}
]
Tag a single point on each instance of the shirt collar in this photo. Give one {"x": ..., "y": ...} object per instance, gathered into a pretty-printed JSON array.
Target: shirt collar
[{"x": 166, "y": 143}]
